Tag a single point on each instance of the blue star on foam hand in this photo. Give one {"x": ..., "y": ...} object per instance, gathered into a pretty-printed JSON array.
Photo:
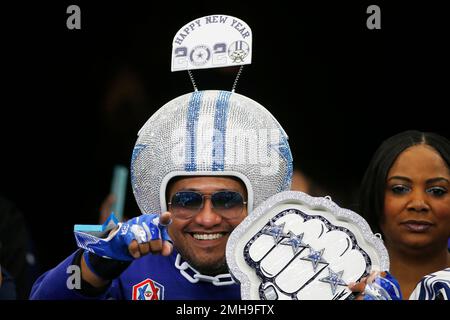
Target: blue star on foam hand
[
  {"x": 334, "y": 279},
  {"x": 295, "y": 241},
  {"x": 315, "y": 257},
  {"x": 274, "y": 230}
]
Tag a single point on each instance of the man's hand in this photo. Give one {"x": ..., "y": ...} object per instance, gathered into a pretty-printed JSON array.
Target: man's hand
[
  {"x": 139, "y": 236},
  {"x": 147, "y": 245},
  {"x": 359, "y": 287},
  {"x": 133, "y": 239},
  {"x": 377, "y": 286}
]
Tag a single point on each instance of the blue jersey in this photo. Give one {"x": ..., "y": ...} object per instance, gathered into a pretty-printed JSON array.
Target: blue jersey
[{"x": 152, "y": 277}]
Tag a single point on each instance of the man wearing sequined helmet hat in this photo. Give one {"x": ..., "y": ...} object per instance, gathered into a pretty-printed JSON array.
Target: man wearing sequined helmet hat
[{"x": 203, "y": 162}]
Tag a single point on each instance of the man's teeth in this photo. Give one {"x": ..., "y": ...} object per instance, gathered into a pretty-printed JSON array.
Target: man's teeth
[{"x": 207, "y": 236}]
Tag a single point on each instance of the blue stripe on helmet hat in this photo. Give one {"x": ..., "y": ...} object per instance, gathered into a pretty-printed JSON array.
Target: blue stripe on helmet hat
[
  {"x": 220, "y": 124},
  {"x": 191, "y": 128}
]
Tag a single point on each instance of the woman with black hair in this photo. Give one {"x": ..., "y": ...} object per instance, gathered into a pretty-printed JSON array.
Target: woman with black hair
[{"x": 405, "y": 196}]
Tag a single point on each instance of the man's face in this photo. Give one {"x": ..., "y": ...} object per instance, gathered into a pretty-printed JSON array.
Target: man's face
[{"x": 202, "y": 238}]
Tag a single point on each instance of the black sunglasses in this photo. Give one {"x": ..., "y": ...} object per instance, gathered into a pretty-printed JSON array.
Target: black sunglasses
[{"x": 185, "y": 204}]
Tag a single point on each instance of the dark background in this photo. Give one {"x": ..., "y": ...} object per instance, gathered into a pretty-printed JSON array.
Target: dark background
[{"x": 74, "y": 100}]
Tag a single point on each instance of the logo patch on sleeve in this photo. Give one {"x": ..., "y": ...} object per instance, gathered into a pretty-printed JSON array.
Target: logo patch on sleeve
[{"x": 148, "y": 290}]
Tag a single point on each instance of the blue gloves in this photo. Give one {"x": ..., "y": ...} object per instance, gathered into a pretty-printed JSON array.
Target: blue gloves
[
  {"x": 106, "y": 242},
  {"x": 383, "y": 288}
]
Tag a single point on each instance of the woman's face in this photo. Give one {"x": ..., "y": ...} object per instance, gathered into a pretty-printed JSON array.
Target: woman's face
[{"x": 417, "y": 200}]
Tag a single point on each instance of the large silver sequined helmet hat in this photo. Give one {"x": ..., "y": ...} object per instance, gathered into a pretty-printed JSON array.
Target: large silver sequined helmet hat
[{"x": 208, "y": 133}]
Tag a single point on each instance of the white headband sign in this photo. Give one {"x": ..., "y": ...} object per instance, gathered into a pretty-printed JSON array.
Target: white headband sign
[{"x": 213, "y": 41}]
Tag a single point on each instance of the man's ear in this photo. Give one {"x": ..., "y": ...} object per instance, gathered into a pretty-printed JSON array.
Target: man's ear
[{"x": 169, "y": 189}]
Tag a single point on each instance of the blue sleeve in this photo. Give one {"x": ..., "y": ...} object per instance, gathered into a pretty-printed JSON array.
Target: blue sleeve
[{"x": 52, "y": 285}]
